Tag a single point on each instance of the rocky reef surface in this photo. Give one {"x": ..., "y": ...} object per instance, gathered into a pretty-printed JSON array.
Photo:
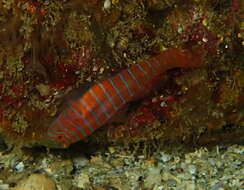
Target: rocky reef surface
[{"x": 48, "y": 48}]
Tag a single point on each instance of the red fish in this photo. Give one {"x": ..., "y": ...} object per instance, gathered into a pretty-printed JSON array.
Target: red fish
[{"x": 103, "y": 100}]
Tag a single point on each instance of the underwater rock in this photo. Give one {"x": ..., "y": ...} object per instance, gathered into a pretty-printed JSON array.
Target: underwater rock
[
  {"x": 3, "y": 186},
  {"x": 36, "y": 182},
  {"x": 51, "y": 47},
  {"x": 81, "y": 180},
  {"x": 152, "y": 177},
  {"x": 60, "y": 168},
  {"x": 19, "y": 167},
  {"x": 80, "y": 162}
]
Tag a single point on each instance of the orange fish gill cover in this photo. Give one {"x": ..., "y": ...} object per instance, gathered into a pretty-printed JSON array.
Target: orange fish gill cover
[{"x": 103, "y": 100}]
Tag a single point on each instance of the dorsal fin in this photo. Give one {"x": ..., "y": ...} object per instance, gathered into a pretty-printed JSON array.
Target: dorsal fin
[
  {"x": 78, "y": 92},
  {"x": 73, "y": 95}
]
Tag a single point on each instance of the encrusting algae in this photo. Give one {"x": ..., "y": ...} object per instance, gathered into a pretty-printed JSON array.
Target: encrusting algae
[{"x": 49, "y": 48}]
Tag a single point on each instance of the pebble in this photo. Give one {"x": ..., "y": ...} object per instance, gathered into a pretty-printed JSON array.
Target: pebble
[
  {"x": 95, "y": 68},
  {"x": 80, "y": 162},
  {"x": 61, "y": 168},
  {"x": 36, "y": 182},
  {"x": 164, "y": 157},
  {"x": 20, "y": 167},
  {"x": 153, "y": 177},
  {"x": 81, "y": 180},
  {"x": 107, "y": 4},
  {"x": 171, "y": 182},
  {"x": 3, "y": 186}
]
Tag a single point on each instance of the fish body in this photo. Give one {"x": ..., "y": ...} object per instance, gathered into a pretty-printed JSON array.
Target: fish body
[{"x": 103, "y": 100}]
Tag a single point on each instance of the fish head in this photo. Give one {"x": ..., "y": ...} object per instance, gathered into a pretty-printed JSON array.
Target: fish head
[{"x": 58, "y": 137}]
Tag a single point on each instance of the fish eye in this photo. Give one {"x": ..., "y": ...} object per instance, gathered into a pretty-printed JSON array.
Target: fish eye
[{"x": 60, "y": 137}]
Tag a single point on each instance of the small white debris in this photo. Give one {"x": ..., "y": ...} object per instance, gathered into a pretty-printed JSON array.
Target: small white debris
[
  {"x": 20, "y": 167},
  {"x": 77, "y": 72},
  {"x": 101, "y": 70},
  {"x": 95, "y": 68},
  {"x": 204, "y": 39},
  {"x": 180, "y": 29},
  {"x": 49, "y": 171},
  {"x": 163, "y": 104},
  {"x": 192, "y": 169},
  {"x": 111, "y": 149},
  {"x": 164, "y": 157},
  {"x": 89, "y": 79},
  {"x": 107, "y": 4}
]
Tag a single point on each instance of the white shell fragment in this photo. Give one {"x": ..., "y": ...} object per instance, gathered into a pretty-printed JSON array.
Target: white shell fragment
[
  {"x": 107, "y": 4},
  {"x": 20, "y": 167}
]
